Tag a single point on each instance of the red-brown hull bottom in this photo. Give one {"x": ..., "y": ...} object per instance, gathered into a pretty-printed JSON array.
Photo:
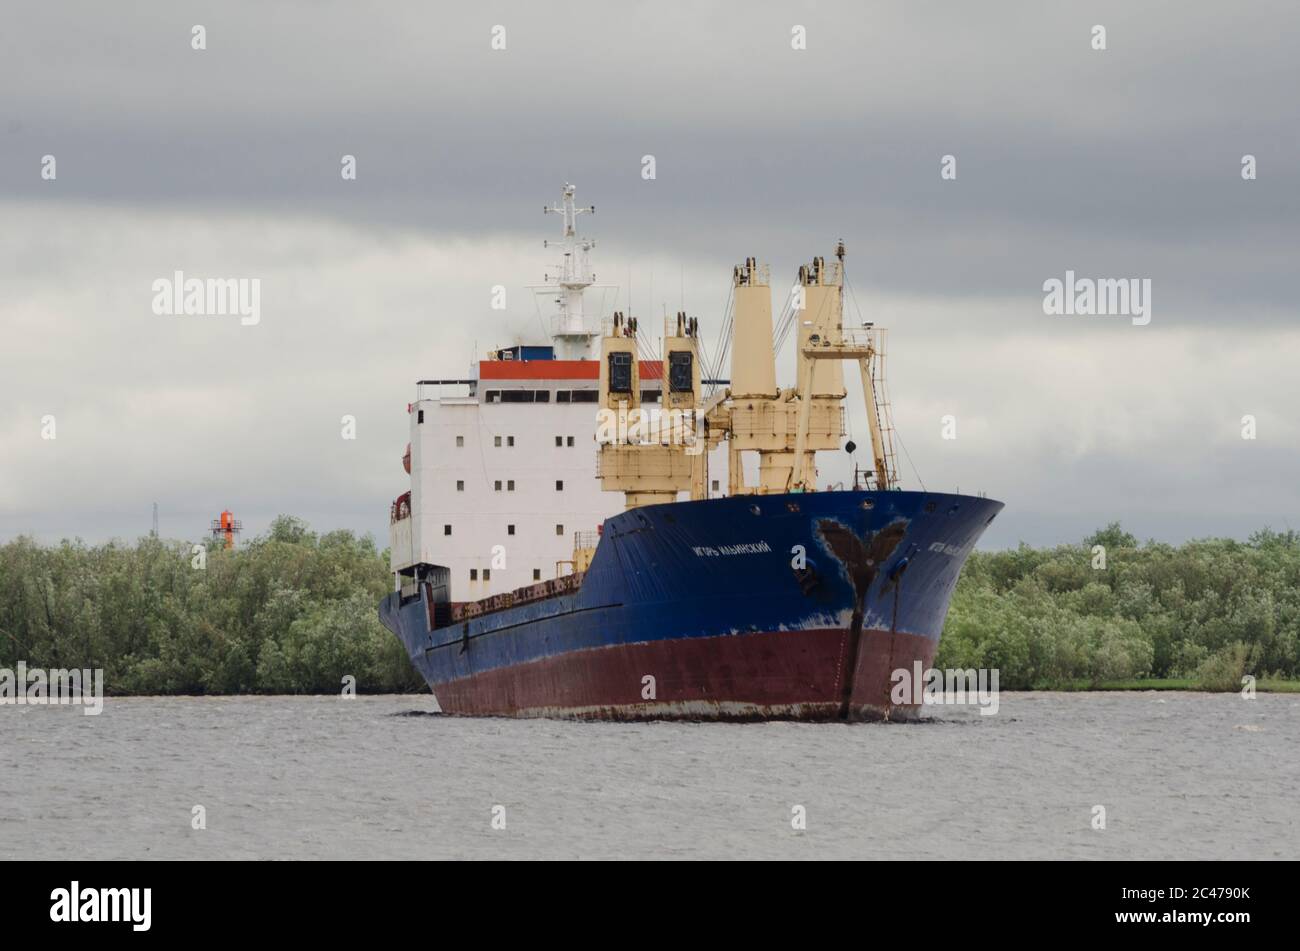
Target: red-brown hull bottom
[{"x": 794, "y": 675}]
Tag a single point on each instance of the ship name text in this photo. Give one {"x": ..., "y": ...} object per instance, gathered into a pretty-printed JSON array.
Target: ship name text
[{"x": 746, "y": 548}]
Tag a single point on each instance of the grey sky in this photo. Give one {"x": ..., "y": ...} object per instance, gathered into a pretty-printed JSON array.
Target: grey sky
[{"x": 225, "y": 162}]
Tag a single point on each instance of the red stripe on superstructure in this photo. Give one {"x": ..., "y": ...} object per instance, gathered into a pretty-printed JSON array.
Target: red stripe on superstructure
[
  {"x": 539, "y": 370},
  {"x": 556, "y": 370}
]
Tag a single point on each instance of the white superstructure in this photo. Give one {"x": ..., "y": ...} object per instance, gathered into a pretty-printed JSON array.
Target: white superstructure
[
  {"x": 503, "y": 465},
  {"x": 502, "y": 476}
]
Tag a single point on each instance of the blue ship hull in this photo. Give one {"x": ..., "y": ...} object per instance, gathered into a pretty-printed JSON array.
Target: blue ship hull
[{"x": 749, "y": 607}]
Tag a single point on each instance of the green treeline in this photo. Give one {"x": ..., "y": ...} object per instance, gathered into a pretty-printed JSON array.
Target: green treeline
[
  {"x": 1207, "y": 612},
  {"x": 290, "y": 612},
  {"x": 295, "y": 612}
]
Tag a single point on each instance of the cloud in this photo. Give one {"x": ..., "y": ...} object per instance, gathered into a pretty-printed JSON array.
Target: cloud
[
  {"x": 201, "y": 412},
  {"x": 225, "y": 162},
  {"x": 1066, "y": 419},
  {"x": 1124, "y": 161}
]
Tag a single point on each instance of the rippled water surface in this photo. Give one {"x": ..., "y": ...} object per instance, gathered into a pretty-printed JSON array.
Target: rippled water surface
[{"x": 1180, "y": 775}]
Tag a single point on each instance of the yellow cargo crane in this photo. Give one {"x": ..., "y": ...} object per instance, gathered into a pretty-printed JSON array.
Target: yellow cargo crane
[
  {"x": 654, "y": 454},
  {"x": 651, "y": 454},
  {"x": 823, "y": 344},
  {"x": 787, "y": 427}
]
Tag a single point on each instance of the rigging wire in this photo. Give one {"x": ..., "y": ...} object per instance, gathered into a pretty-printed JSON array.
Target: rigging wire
[
  {"x": 715, "y": 368},
  {"x": 893, "y": 425},
  {"x": 704, "y": 355},
  {"x": 724, "y": 340},
  {"x": 784, "y": 322},
  {"x": 903, "y": 446}
]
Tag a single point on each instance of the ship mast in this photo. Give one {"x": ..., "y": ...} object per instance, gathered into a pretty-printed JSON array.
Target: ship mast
[
  {"x": 572, "y": 332},
  {"x": 823, "y": 344},
  {"x": 787, "y": 427}
]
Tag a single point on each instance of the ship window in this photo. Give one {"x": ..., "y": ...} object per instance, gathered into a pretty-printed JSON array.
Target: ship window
[
  {"x": 679, "y": 372},
  {"x": 649, "y": 396},
  {"x": 496, "y": 440},
  {"x": 510, "y": 485},
  {"x": 460, "y": 485},
  {"x": 620, "y": 372},
  {"x": 473, "y": 574},
  {"x": 518, "y": 396},
  {"x": 559, "y": 440},
  {"x": 494, "y": 396},
  {"x": 570, "y": 440},
  {"x": 497, "y": 485},
  {"x": 487, "y": 574},
  {"x": 543, "y": 396},
  {"x": 563, "y": 396},
  {"x": 559, "y": 485},
  {"x": 510, "y": 529},
  {"x": 587, "y": 396},
  {"x": 559, "y": 529},
  {"x": 510, "y": 440},
  {"x": 446, "y": 529},
  {"x": 420, "y": 416},
  {"x": 537, "y": 574},
  {"x": 460, "y": 441},
  {"x": 715, "y": 485}
]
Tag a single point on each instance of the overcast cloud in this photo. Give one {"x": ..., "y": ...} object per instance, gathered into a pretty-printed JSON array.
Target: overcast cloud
[{"x": 225, "y": 163}]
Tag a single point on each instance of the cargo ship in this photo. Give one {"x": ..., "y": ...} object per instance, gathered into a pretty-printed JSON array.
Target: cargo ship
[{"x": 603, "y": 527}]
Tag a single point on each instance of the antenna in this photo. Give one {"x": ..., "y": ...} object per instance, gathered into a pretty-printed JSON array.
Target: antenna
[{"x": 569, "y": 326}]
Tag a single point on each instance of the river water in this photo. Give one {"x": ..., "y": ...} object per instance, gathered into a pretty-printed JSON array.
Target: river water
[{"x": 1180, "y": 776}]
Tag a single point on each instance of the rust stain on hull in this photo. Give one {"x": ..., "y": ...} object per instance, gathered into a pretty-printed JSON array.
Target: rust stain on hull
[
  {"x": 861, "y": 562},
  {"x": 781, "y": 675}
]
